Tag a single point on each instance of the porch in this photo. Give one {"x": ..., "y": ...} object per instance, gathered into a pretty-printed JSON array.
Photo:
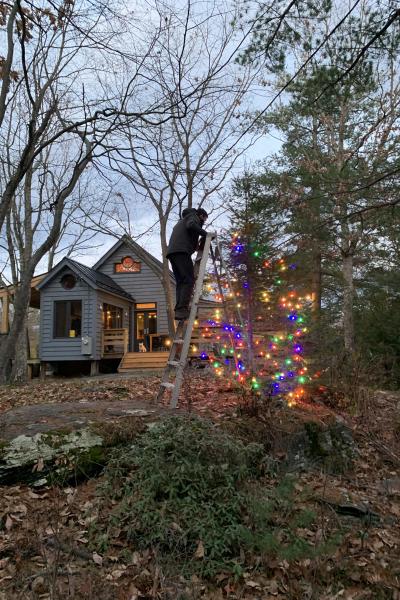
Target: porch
[{"x": 115, "y": 343}]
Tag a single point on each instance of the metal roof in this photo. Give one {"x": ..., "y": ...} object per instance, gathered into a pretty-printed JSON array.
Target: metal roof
[{"x": 100, "y": 280}]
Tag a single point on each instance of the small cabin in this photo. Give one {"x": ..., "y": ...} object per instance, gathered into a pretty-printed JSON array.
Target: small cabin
[{"x": 113, "y": 311}]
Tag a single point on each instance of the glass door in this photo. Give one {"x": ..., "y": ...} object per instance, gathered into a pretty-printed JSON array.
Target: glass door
[{"x": 145, "y": 327}]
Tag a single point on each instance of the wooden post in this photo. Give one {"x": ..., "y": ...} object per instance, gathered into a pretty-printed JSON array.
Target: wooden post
[
  {"x": 94, "y": 368},
  {"x": 126, "y": 341},
  {"x": 43, "y": 367},
  {"x": 5, "y": 316}
]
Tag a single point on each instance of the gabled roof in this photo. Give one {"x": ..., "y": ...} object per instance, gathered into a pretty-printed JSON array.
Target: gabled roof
[
  {"x": 92, "y": 277},
  {"x": 146, "y": 257}
]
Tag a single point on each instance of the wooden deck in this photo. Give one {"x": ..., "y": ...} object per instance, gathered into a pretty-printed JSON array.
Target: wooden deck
[
  {"x": 143, "y": 360},
  {"x": 114, "y": 343}
]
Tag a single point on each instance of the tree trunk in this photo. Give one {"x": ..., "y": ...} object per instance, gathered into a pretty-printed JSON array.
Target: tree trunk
[
  {"x": 18, "y": 327},
  {"x": 250, "y": 321},
  {"x": 316, "y": 285},
  {"x": 348, "y": 298},
  {"x": 169, "y": 298},
  {"x": 19, "y": 372},
  {"x": 167, "y": 281}
]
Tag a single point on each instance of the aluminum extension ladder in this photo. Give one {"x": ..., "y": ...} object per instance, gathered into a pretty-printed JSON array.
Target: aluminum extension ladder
[{"x": 181, "y": 343}]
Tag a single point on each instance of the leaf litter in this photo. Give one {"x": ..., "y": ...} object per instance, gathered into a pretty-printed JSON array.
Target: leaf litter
[{"x": 43, "y": 533}]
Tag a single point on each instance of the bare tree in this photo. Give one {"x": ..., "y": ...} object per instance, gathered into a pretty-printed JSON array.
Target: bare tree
[
  {"x": 55, "y": 117},
  {"x": 187, "y": 160}
]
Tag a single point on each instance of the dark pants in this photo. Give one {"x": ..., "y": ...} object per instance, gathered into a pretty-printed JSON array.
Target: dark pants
[{"x": 182, "y": 267}]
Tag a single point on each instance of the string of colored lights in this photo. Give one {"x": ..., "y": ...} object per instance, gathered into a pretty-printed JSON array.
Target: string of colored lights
[{"x": 280, "y": 368}]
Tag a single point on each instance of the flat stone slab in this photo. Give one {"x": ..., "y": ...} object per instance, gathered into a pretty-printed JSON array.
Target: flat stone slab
[
  {"x": 71, "y": 416},
  {"x": 60, "y": 441}
]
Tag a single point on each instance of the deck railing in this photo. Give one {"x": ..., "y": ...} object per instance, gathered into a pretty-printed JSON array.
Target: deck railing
[{"x": 114, "y": 342}]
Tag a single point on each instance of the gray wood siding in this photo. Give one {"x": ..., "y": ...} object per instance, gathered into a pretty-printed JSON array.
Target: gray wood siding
[
  {"x": 145, "y": 286},
  {"x": 110, "y": 299},
  {"x": 57, "y": 349}
]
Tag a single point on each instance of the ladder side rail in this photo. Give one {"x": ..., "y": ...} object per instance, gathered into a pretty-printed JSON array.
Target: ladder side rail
[
  {"x": 172, "y": 353},
  {"x": 192, "y": 316},
  {"x": 165, "y": 379}
]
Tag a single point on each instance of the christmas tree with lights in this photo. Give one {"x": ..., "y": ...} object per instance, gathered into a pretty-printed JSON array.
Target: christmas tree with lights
[{"x": 268, "y": 349}]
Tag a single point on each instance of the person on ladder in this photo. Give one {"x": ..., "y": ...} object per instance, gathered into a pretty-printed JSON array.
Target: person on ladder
[{"x": 184, "y": 241}]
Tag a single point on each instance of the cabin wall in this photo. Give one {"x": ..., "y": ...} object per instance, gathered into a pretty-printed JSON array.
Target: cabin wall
[
  {"x": 116, "y": 301},
  {"x": 145, "y": 286},
  {"x": 58, "y": 349}
]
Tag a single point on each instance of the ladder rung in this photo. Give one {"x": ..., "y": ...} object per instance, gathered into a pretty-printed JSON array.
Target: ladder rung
[
  {"x": 173, "y": 363},
  {"x": 167, "y": 385}
]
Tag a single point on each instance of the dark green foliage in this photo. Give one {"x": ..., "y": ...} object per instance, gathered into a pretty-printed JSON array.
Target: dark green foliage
[
  {"x": 377, "y": 322},
  {"x": 318, "y": 196},
  {"x": 276, "y": 31},
  {"x": 187, "y": 488}
]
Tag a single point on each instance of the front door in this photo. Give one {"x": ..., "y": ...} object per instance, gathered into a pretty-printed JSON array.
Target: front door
[{"x": 145, "y": 327}]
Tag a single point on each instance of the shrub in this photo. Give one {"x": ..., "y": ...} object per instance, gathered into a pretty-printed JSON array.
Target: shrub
[{"x": 188, "y": 491}]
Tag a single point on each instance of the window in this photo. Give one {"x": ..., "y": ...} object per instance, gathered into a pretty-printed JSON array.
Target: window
[
  {"x": 112, "y": 316},
  {"x": 145, "y": 305},
  {"x": 68, "y": 319},
  {"x": 68, "y": 281}
]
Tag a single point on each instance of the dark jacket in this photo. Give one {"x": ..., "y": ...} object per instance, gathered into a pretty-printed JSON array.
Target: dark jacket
[{"x": 185, "y": 234}]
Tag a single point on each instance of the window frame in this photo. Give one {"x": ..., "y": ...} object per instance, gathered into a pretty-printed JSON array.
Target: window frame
[
  {"x": 64, "y": 278},
  {"x": 68, "y": 319},
  {"x": 119, "y": 308}
]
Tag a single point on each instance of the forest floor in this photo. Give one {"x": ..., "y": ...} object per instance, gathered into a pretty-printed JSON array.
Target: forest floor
[{"x": 44, "y": 543}]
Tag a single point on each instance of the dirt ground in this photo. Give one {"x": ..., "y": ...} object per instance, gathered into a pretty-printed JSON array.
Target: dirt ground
[{"x": 44, "y": 532}]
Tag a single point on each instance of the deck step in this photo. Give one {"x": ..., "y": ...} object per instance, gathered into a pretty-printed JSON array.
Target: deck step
[{"x": 143, "y": 360}]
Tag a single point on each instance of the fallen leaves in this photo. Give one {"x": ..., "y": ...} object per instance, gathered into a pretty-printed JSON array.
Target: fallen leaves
[
  {"x": 367, "y": 559},
  {"x": 97, "y": 559},
  {"x": 200, "y": 552}
]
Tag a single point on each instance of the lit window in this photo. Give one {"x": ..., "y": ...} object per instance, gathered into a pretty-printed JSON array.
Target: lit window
[
  {"x": 144, "y": 305},
  {"x": 68, "y": 319}
]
